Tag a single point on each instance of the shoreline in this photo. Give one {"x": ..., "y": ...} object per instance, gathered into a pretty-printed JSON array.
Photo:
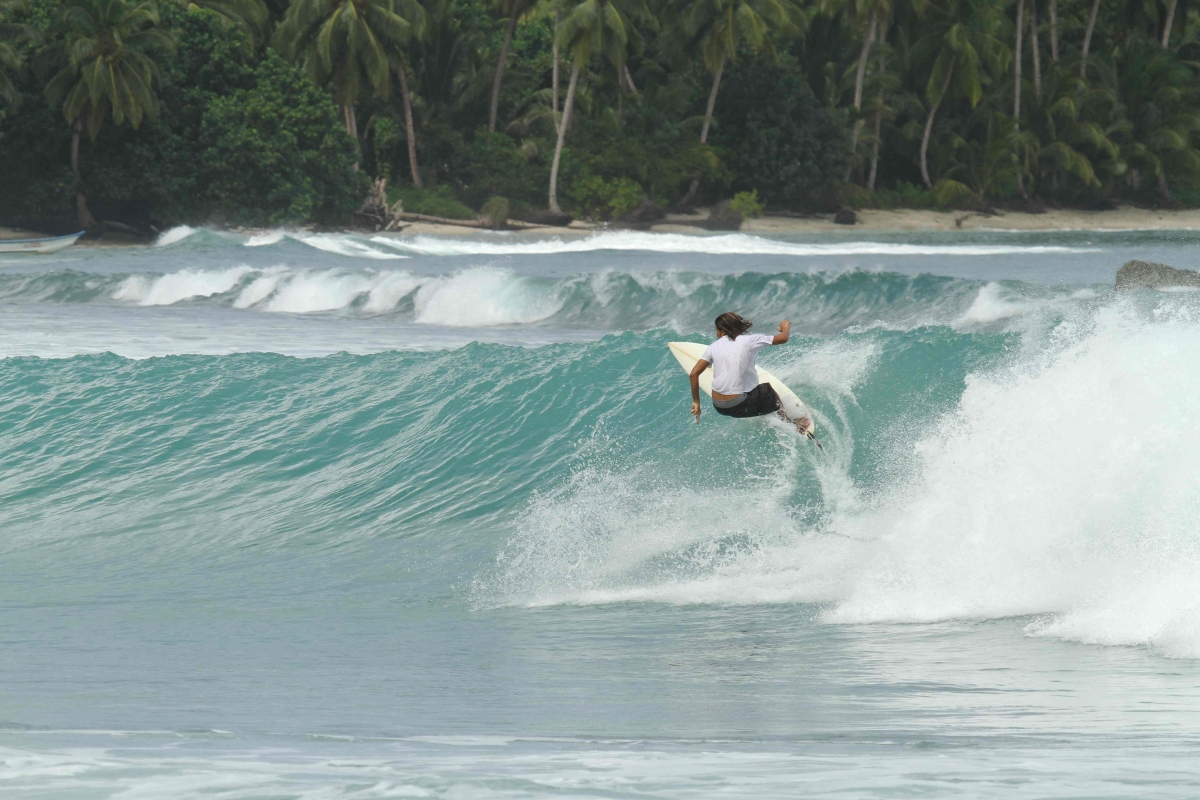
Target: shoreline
[
  {"x": 876, "y": 221},
  {"x": 870, "y": 221}
]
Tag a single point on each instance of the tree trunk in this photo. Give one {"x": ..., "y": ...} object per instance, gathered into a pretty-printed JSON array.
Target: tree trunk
[
  {"x": 1087, "y": 39},
  {"x": 629, "y": 80},
  {"x": 508, "y": 34},
  {"x": 708, "y": 114},
  {"x": 1054, "y": 30},
  {"x": 1166, "y": 39},
  {"x": 554, "y": 73},
  {"x": 1017, "y": 58},
  {"x": 1017, "y": 89},
  {"x": 562, "y": 136},
  {"x": 878, "y": 115},
  {"x": 712, "y": 101},
  {"x": 409, "y": 132},
  {"x": 351, "y": 128},
  {"x": 1033, "y": 48},
  {"x": 859, "y": 78},
  {"x": 1164, "y": 190},
  {"x": 86, "y": 220},
  {"x": 929, "y": 128}
]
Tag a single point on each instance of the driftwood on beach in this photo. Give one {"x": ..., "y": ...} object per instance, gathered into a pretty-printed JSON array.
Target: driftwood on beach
[{"x": 409, "y": 216}]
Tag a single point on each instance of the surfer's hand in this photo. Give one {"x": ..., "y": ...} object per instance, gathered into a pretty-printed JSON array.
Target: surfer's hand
[
  {"x": 696, "y": 412},
  {"x": 785, "y": 326}
]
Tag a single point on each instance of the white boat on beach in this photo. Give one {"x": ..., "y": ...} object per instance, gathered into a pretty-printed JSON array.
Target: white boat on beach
[{"x": 48, "y": 244}]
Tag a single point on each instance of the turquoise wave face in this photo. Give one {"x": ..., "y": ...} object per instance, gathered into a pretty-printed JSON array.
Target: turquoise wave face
[
  {"x": 224, "y": 457},
  {"x": 969, "y": 471}
]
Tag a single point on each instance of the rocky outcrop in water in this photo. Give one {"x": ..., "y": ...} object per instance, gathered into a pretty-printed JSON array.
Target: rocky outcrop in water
[{"x": 1148, "y": 275}]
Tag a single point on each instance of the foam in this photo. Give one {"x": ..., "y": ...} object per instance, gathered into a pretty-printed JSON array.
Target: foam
[
  {"x": 485, "y": 297},
  {"x": 265, "y": 238},
  {"x": 175, "y": 235},
  {"x": 480, "y": 297},
  {"x": 990, "y": 306},
  {"x": 178, "y": 286},
  {"x": 1062, "y": 487},
  {"x": 259, "y": 289},
  {"x": 343, "y": 246},
  {"x": 306, "y": 292},
  {"x": 386, "y": 292},
  {"x": 726, "y": 244}
]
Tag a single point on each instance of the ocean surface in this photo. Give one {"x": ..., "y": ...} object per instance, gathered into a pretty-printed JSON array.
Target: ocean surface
[{"x": 301, "y": 515}]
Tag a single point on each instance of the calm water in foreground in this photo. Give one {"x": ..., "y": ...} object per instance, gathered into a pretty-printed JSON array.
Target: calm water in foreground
[{"x": 330, "y": 516}]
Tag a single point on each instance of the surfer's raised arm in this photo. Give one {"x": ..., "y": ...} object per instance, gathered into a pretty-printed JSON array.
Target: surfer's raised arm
[{"x": 785, "y": 332}]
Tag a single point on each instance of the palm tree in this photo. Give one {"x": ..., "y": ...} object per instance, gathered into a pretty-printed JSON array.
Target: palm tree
[
  {"x": 1161, "y": 96},
  {"x": 1087, "y": 39},
  {"x": 962, "y": 39},
  {"x": 251, "y": 15},
  {"x": 10, "y": 59},
  {"x": 590, "y": 28},
  {"x": 873, "y": 16},
  {"x": 1074, "y": 131},
  {"x": 108, "y": 48},
  {"x": 515, "y": 9},
  {"x": 884, "y": 81},
  {"x": 1020, "y": 30},
  {"x": 717, "y": 29},
  {"x": 1166, "y": 34},
  {"x": 353, "y": 46}
]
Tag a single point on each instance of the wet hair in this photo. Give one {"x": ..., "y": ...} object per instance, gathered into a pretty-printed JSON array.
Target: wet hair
[{"x": 733, "y": 325}]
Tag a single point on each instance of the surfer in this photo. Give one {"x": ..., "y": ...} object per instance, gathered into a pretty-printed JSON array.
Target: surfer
[{"x": 736, "y": 391}]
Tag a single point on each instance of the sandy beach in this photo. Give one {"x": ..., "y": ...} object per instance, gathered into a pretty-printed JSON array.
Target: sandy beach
[
  {"x": 1127, "y": 218},
  {"x": 871, "y": 220}
]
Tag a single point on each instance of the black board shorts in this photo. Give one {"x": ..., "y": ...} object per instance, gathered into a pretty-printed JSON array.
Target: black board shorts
[{"x": 760, "y": 401}]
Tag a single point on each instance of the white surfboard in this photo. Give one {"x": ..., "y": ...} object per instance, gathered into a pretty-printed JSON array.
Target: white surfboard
[{"x": 688, "y": 353}]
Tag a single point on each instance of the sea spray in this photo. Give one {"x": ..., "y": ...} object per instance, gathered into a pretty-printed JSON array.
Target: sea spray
[{"x": 1060, "y": 485}]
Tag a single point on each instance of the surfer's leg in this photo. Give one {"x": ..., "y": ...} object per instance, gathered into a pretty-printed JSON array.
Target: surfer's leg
[
  {"x": 769, "y": 402},
  {"x": 761, "y": 401}
]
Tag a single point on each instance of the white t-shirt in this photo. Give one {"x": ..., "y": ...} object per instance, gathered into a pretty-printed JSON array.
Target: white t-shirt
[{"x": 733, "y": 362}]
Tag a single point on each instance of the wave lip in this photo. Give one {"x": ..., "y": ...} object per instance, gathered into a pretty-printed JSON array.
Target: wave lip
[
  {"x": 723, "y": 244},
  {"x": 175, "y": 235},
  {"x": 485, "y": 297},
  {"x": 175, "y": 287},
  {"x": 480, "y": 297}
]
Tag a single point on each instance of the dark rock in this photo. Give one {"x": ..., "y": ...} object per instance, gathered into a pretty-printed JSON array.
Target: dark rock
[
  {"x": 646, "y": 213},
  {"x": 845, "y": 216},
  {"x": 558, "y": 219},
  {"x": 1148, "y": 275},
  {"x": 724, "y": 218}
]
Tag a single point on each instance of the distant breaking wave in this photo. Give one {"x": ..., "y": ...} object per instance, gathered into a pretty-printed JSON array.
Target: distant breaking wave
[
  {"x": 398, "y": 246},
  {"x": 489, "y": 296},
  {"x": 338, "y": 244},
  {"x": 725, "y": 244}
]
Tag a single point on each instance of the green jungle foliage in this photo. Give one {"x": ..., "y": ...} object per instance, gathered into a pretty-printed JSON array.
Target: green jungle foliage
[
  {"x": 435, "y": 202},
  {"x": 157, "y": 112}
]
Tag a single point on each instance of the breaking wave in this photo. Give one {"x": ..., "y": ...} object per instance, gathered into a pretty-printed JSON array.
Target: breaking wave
[{"x": 488, "y": 296}]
